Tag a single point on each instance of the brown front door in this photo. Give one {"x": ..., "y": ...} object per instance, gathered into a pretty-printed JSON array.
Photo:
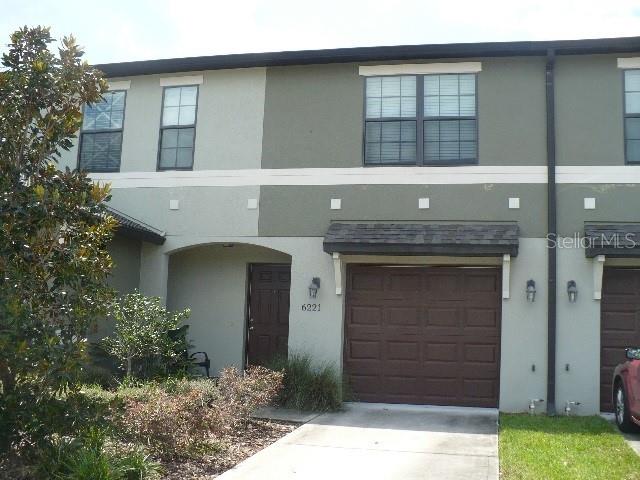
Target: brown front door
[
  {"x": 619, "y": 324},
  {"x": 268, "y": 329},
  {"x": 426, "y": 335}
]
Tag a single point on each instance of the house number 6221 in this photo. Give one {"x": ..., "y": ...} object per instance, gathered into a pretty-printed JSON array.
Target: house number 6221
[{"x": 310, "y": 307}]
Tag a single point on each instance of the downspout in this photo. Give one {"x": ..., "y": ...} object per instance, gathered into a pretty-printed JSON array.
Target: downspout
[{"x": 551, "y": 233}]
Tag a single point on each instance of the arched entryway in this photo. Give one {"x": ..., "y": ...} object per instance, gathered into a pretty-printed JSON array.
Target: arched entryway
[{"x": 226, "y": 285}]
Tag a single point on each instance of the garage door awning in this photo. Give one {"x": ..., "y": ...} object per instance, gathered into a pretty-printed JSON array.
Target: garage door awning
[
  {"x": 475, "y": 239},
  {"x": 612, "y": 239}
]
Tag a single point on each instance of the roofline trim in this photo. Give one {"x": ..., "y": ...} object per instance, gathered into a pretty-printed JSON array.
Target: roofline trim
[{"x": 372, "y": 54}]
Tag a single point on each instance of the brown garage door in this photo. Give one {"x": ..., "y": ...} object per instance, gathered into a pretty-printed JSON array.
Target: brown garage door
[
  {"x": 423, "y": 335},
  {"x": 619, "y": 324}
]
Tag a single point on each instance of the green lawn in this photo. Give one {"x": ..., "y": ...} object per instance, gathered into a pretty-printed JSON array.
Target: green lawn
[{"x": 563, "y": 448}]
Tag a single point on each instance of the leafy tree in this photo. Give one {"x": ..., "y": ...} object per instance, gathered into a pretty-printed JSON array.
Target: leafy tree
[
  {"x": 142, "y": 333},
  {"x": 53, "y": 225}
]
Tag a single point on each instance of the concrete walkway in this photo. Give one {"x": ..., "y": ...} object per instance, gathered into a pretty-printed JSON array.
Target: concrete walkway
[{"x": 380, "y": 441}]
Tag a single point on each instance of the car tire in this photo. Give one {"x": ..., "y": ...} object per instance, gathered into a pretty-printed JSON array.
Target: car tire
[{"x": 621, "y": 411}]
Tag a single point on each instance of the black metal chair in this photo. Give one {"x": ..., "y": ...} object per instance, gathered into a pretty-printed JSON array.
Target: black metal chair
[
  {"x": 204, "y": 362},
  {"x": 180, "y": 334}
]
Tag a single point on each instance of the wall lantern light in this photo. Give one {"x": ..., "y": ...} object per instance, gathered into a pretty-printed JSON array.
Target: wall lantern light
[
  {"x": 531, "y": 291},
  {"x": 314, "y": 287},
  {"x": 572, "y": 291}
]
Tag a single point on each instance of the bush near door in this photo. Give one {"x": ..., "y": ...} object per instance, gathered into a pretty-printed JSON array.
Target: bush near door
[{"x": 308, "y": 387}]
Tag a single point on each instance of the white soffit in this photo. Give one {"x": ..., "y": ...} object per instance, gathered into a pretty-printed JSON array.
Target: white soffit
[
  {"x": 182, "y": 80},
  {"x": 120, "y": 85},
  {"x": 419, "y": 68},
  {"x": 630, "y": 62}
]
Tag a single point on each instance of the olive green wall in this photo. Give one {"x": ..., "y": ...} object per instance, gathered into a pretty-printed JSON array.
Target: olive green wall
[
  {"x": 314, "y": 114},
  {"x": 589, "y": 111},
  {"x": 313, "y": 117},
  {"x": 614, "y": 203},
  {"x": 304, "y": 210},
  {"x": 511, "y": 112}
]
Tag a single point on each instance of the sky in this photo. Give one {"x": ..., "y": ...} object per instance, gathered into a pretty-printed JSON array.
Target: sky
[{"x": 119, "y": 30}]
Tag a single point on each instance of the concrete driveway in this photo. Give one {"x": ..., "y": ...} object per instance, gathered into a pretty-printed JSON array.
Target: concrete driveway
[{"x": 380, "y": 441}]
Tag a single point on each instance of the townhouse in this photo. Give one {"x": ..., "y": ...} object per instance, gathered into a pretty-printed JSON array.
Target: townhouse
[{"x": 446, "y": 224}]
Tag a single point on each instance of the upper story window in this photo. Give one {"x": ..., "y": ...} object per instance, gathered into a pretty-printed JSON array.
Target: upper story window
[
  {"x": 101, "y": 134},
  {"x": 632, "y": 115},
  {"x": 421, "y": 120},
  {"x": 178, "y": 128}
]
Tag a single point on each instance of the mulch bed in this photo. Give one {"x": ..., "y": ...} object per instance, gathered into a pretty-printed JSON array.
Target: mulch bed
[{"x": 238, "y": 446}]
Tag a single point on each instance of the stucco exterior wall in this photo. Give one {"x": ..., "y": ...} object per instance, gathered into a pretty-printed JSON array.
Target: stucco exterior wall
[
  {"x": 314, "y": 114},
  {"x": 229, "y": 122},
  {"x": 201, "y": 210},
  {"x": 125, "y": 253},
  {"x": 524, "y": 331},
  {"x": 125, "y": 276},
  {"x": 589, "y": 111},
  {"x": 614, "y": 203},
  {"x": 578, "y": 330},
  {"x": 305, "y": 210}
]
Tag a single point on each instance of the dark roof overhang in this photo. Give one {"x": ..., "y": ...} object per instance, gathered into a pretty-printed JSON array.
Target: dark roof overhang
[
  {"x": 471, "y": 240},
  {"x": 372, "y": 54},
  {"x": 131, "y": 228},
  {"x": 616, "y": 240}
]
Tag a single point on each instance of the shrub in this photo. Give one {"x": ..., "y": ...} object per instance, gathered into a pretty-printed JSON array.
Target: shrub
[
  {"x": 306, "y": 387},
  {"x": 43, "y": 418},
  {"x": 141, "y": 340},
  {"x": 86, "y": 458},
  {"x": 86, "y": 463},
  {"x": 246, "y": 393},
  {"x": 186, "y": 417},
  {"x": 51, "y": 458},
  {"x": 135, "y": 463}
]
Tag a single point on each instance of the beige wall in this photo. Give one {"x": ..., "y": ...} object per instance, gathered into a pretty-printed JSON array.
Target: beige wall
[
  {"x": 202, "y": 211},
  {"x": 524, "y": 331},
  {"x": 578, "y": 335},
  {"x": 125, "y": 276},
  {"x": 228, "y": 129},
  {"x": 125, "y": 253}
]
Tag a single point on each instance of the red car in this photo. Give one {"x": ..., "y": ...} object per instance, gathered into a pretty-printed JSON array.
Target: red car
[{"x": 626, "y": 392}]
